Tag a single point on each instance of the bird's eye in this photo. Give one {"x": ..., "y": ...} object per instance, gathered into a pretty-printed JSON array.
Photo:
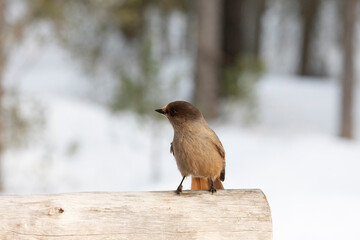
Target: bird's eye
[{"x": 172, "y": 112}]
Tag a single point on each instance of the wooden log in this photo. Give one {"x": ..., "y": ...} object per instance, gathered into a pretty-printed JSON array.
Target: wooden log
[{"x": 226, "y": 214}]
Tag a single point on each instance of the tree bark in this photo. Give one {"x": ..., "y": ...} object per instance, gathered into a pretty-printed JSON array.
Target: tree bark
[
  {"x": 2, "y": 66},
  {"x": 348, "y": 82},
  {"x": 309, "y": 11},
  {"x": 226, "y": 214},
  {"x": 206, "y": 94}
]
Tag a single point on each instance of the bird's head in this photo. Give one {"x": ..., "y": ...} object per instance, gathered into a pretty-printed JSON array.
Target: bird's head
[{"x": 180, "y": 112}]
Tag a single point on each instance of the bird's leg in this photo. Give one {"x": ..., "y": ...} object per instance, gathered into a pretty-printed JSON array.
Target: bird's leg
[
  {"x": 179, "y": 189},
  {"x": 212, "y": 186}
]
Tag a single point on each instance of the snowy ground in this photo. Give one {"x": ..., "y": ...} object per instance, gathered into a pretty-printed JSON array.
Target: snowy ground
[{"x": 310, "y": 177}]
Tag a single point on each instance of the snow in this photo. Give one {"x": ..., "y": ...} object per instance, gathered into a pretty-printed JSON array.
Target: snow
[{"x": 291, "y": 151}]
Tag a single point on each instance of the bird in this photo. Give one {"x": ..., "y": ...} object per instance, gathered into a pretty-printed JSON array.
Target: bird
[{"x": 197, "y": 149}]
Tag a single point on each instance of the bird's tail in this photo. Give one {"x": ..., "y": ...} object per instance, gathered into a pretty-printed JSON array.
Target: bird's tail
[{"x": 204, "y": 183}]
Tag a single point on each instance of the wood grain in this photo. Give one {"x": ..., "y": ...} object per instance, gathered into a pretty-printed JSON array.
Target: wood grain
[{"x": 227, "y": 214}]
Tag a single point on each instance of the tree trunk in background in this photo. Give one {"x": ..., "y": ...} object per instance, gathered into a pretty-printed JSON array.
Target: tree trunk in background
[
  {"x": 232, "y": 32},
  {"x": 259, "y": 11},
  {"x": 309, "y": 11},
  {"x": 241, "y": 29},
  {"x": 2, "y": 66},
  {"x": 348, "y": 85},
  {"x": 241, "y": 42},
  {"x": 206, "y": 94}
]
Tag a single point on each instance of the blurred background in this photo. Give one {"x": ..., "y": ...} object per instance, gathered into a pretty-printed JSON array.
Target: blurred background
[{"x": 276, "y": 80}]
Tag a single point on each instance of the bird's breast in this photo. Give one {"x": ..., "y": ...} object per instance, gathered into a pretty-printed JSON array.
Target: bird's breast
[{"x": 195, "y": 154}]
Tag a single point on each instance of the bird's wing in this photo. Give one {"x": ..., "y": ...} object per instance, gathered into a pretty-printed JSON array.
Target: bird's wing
[
  {"x": 198, "y": 183},
  {"x": 216, "y": 141},
  {"x": 220, "y": 148},
  {"x": 171, "y": 148}
]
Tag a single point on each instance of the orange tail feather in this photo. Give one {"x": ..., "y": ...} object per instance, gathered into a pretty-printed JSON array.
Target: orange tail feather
[{"x": 204, "y": 183}]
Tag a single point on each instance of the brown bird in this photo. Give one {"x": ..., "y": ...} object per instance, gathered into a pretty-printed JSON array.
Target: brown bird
[{"x": 196, "y": 148}]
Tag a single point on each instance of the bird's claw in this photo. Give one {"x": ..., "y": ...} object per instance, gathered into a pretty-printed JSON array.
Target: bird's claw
[
  {"x": 179, "y": 190},
  {"x": 212, "y": 189}
]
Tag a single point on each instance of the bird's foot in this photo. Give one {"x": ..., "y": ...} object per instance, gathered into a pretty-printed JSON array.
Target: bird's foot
[
  {"x": 212, "y": 189},
  {"x": 179, "y": 189}
]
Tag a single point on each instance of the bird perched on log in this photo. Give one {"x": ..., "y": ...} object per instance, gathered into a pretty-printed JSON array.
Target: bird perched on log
[{"x": 196, "y": 147}]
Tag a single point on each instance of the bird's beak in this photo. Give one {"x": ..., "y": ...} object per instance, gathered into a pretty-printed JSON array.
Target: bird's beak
[{"x": 160, "y": 111}]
